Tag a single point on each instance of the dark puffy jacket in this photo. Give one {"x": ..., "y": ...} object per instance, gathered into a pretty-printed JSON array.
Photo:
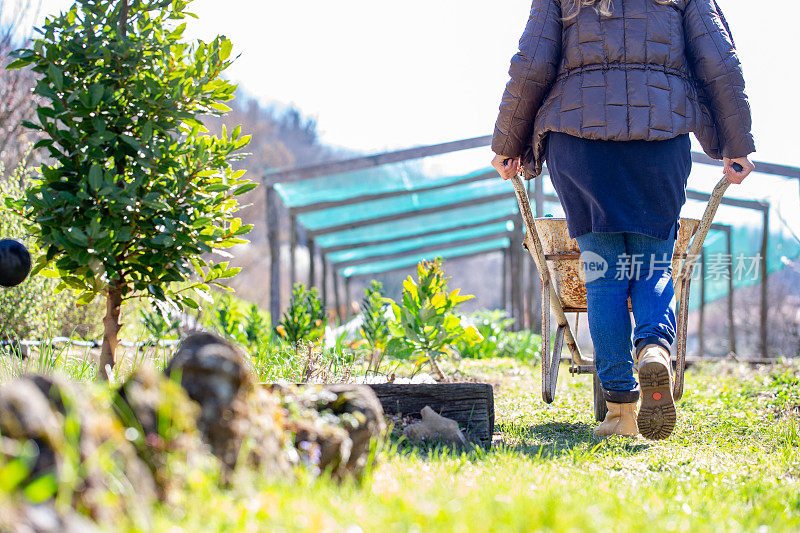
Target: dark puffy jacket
[{"x": 649, "y": 72}]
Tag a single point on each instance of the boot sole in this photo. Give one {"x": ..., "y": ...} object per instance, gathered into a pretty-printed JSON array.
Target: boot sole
[{"x": 657, "y": 414}]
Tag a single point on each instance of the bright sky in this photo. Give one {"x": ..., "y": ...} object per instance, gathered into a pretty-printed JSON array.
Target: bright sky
[{"x": 382, "y": 75}]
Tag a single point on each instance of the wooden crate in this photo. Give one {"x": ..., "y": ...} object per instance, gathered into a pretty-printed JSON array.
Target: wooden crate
[{"x": 469, "y": 404}]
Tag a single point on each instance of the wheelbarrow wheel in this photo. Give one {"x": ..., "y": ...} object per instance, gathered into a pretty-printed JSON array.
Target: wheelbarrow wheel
[{"x": 600, "y": 407}]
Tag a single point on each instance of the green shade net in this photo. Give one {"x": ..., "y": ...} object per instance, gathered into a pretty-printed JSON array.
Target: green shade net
[
  {"x": 444, "y": 220},
  {"x": 744, "y": 259},
  {"x": 407, "y": 203},
  {"x": 398, "y": 246},
  {"x": 351, "y": 185},
  {"x": 411, "y": 260}
]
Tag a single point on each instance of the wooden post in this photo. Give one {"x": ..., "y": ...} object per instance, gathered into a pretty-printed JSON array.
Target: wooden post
[
  {"x": 292, "y": 252},
  {"x": 731, "y": 325},
  {"x": 324, "y": 282},
  {"x": 312, "y": 278},
  {"x": 274, "y": 256},
  {"x": 536, "y": 297},
  {"x": 505, "y": 279},
  {"x": 514, "y": 280},
  {"x": 346, "y": 298},
  {"x": 336, "y": 295},
  {"x": 764, "y": 292},
  {"x": 701, "y": 341}
]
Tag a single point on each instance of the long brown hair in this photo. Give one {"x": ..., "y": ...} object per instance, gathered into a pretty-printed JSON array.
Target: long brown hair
[{"x": 603, "y": 7}]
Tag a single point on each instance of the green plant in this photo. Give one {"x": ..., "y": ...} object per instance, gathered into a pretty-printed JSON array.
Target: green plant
[
  {"x": 137, "y": 195},
  {"x": 160, "y": 322},
  {"x": 426, "y": 325},
  {"x": 29, "y": 309},
  {"x": 304, "y": 319},
  {"x": 375, "y": 324},
  {"x": 226, "y": 318},
  {"x": 497, "y": 341},
  {"x": 256, "y": 326}
]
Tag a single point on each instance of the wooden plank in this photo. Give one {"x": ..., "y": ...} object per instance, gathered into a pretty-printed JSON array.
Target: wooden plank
[
  {"x": 469, "y": 404},
  {"x": 761, "y": 167},
  {"x": 733, "y": 202},
  {"x": 369, "y": 161}
]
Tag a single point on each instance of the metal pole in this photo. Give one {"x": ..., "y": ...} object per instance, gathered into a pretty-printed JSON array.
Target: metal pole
[
  {"x": 731, "y": 325},
  {"x": 764, "y": 251},
  {"x": 274, "y": 256}
]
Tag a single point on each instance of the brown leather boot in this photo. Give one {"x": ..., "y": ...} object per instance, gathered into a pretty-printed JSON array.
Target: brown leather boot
[
  {"x": 657, "y": 413},
  {"x": 620, "y": 420}
]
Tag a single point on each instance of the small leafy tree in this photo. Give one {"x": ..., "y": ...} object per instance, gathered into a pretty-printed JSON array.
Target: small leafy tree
[
  {"x": 375, "y": 325},
  {"x": 426, "y": 325},
  {"x": 304, "y": 319},
  {"x": 137, "y": 193}
]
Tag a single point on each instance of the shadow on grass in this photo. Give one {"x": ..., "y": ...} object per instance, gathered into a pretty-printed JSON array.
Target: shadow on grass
[{"x": 551, "y": 440}]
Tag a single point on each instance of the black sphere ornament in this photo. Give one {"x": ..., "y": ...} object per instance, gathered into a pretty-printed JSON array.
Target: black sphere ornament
[{"x": 15, "y": 263}]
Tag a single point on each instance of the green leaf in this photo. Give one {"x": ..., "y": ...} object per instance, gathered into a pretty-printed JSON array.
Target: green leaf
[
  {"x": 96, "y": 177},
  {"x": 41, "y": 489},
  {"x": 245, "y": 188},
  {"x": 225, "y": 47},
  {"x": 18, "y": 64},
  {"x": 12, "y": 474}
]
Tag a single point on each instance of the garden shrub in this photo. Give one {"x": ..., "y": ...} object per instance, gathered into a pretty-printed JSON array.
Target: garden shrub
[
  {"x": 497, "y": 340},
  {"x": 426, "y": 326},
  {"x": 29, "y": 310}
]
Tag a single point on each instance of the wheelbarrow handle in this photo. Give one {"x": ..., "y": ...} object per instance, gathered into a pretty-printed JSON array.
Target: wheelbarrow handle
[{"x": 705, "y": 222}]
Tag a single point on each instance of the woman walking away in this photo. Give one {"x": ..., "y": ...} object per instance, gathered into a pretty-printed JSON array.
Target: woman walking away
[{"x": 607, "y": 93}]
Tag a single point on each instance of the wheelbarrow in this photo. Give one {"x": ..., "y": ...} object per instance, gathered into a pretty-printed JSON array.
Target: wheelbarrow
[{"x": 562, "y": 279}]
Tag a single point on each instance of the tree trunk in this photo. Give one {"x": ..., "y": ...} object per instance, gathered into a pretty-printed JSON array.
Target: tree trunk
[{"x": 111, "y": 327}]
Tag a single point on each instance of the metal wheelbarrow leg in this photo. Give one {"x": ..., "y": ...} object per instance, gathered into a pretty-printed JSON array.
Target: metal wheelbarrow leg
[{"x": 550, "y": 300}]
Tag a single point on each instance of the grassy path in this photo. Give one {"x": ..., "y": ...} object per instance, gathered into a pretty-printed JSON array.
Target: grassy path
[{"x": 732, "y": 465}]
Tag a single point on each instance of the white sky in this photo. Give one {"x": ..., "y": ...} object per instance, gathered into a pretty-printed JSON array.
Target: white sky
[{"x": 382, "y": 75}]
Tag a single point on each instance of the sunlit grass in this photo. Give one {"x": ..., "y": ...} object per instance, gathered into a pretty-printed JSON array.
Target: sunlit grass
[{"x": 732, "y": 465}]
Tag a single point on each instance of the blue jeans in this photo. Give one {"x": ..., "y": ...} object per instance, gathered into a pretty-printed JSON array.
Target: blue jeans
[{"x": 619, "y": 266}]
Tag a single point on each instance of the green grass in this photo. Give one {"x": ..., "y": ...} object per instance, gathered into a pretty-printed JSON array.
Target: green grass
[{"x": 733, "y": 464}]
